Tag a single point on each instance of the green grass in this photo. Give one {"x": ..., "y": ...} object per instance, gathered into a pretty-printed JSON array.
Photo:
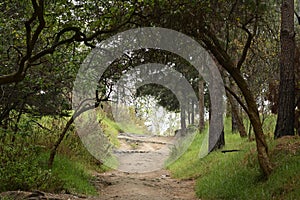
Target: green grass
[
  {"x": 74, "y": 176},
  {"x": 67, "y": 175},
  {"x": 237, "y": 175},
  {"x": 132, "y": 128},
  {"x": 111, "y": 130}
]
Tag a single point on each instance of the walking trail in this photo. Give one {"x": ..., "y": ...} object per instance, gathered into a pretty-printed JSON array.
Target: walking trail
[{"x": 140, "y": 175}]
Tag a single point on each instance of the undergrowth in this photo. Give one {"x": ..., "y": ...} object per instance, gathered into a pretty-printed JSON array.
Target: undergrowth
[{"x": 24, "y": 154}]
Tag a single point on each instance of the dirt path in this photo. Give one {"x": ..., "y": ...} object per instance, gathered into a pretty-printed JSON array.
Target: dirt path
[
  {"x": 139, "y": 177},
  {"x": 146, "y": 186},
  {"x": 142, "y": 153}
]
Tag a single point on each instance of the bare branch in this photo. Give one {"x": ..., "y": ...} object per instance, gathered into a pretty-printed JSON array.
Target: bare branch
[
  {"x": 246, "y": 47},
  {"x": 237, "y": 99}
]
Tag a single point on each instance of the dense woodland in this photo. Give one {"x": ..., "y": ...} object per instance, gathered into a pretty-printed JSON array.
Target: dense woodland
[{"x": 255, "y": 44}]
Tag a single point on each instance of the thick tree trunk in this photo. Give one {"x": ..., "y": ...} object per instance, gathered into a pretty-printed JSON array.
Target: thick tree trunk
[
  {"x": 201, "y": 104},
  {"x": 220, "y": 143},
  {"x": 216, "y": 139},
  {"x": 286, "y": 106}
]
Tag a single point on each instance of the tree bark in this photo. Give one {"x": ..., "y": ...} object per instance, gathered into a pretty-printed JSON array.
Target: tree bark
[
  {"x": 235, "y": 113},
  {"x": 193, "y": 112},
  {"x": 216, "y": 139},
  {"x": 201, "y": 104},
  {"x": 286, "y": 103},
  {"x": 182, "y": 118},
  {"x": 234, "y": 123},
  {"x": 235, "y": 118},
  {"x": 189, "y": 113},
  {"x": 261, "y": 144}
]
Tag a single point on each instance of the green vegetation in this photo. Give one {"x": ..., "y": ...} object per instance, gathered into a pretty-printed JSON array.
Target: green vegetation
[
  {"x": 24, "y": 156},
  {"x": 74, "y": 176},
  {"x": 23, "y": 166},
  {"x": 43, "y": 45},
  {"x": 236, "y": 175},
  {"x": 131, "y": 128}
]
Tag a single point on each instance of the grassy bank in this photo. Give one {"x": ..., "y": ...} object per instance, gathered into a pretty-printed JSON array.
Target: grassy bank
[
  {"x": 24, "y": 155},
  {"x": 236, "y": 175}
]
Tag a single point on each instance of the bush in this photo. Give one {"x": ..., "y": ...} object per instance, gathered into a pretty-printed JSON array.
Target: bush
[{"x": 19, "y": 168}]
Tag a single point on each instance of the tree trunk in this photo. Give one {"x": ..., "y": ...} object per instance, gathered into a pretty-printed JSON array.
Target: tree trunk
[
  {"x": 212, "y": 43},
  {"x": 63, "y": 133},
  {"x": 59, "y": 140},
  {"x": 261, "y": 145},
  {"x": 286, "y": 105},
  {"x": 193, "y": 112},
  {"x": 235, "y": 114},
  {"x": 189, "y": 112},
  {"x": 201, "y": 104},
  {"x": 182, "y": 118},
  {"x": 234, "y": 123},
  {"x": 214, "y": 142}
]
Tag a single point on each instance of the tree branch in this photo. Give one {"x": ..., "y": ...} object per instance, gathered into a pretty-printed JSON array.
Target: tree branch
[
  {"x": 237, "y": 99},
  {"x": 246, "y": 47},
  {"x": 31, "y": 41}
]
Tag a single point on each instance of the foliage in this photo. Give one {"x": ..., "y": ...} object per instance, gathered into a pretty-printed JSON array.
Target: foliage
[
  {"x": 20, "y": 169},
  {"x": 42, "y": 45},
  {"x": 24, "y": 159}
]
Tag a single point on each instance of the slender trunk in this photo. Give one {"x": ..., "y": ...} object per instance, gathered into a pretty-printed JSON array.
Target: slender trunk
[
  {"x": 63, "y": 133},
  {"x": 234, "y": 123},
  {"x": 189, "y": 113},
  {"x": 249, "y": 132},
  {"x": 201, "y": 104},
  {"x": 235, "y": 114},
  {"x": 59, "y": 140},
  {"x": 182, "y": 118},
  {"x": 261, "y": 144},
  {"x": 193, "y": 112},
  {"x": 16, "y": 128}
]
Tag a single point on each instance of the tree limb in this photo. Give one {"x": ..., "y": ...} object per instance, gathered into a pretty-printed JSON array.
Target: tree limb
[
  {"x": 246, "y": 48},
  {"x": 237, "y": 99}
]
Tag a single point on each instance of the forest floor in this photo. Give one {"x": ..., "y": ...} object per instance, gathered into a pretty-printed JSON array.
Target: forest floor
[{"x": 139, "y": 177}]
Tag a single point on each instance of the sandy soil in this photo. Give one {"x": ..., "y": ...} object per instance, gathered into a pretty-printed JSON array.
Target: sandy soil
[{"x": 146, "y": 186}]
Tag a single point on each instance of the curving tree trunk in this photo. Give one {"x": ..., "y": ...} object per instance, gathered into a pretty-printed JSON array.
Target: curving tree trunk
[
  {"x": 212, "y": 44},
  {"x": 64, "y": 132}
]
